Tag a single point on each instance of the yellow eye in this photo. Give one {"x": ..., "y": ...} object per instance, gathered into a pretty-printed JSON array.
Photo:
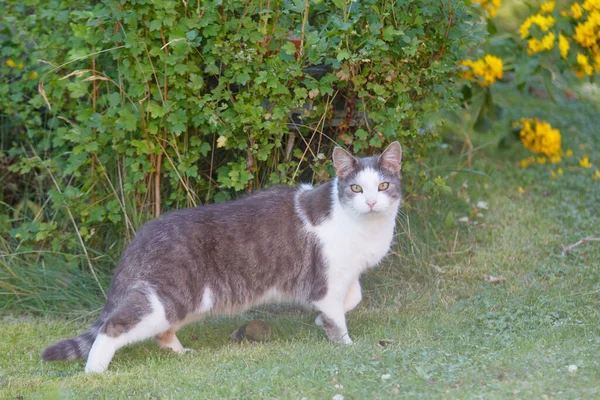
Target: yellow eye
[
  {"x": 356, "y": 188},
  {"x": 383, "y": 186}
]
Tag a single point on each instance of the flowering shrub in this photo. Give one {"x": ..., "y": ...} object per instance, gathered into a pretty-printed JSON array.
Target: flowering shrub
[
  {"x": 557, "y": 37},
  {"x": 577, "y": 29}
]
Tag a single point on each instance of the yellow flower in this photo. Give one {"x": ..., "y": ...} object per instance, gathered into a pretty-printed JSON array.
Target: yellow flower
[
  {"x": 491, "y": 6},
  {"x": 560, "y": 171},
  {"x": 20, "y": 66},
  {"x": 590, "y": 5},
  {"x": 585, "y": 163},
  {"x": 585, "y": 34},
  {"x": 521, "y": 190},
  {"x": 467, "y": 74},
  {"x": 584, "y": 64},
  {"x": 547, "y": 7},
  {"x": 548, "y": 41},
  {"x": 494, "y": 69},
  {"x": 485, "y": 70},
  {"x": 10, "y": 63},
  {"x": 539, "y": 137},
  {"x": 33, "y": 75},
  {"x": 563, "y": 46},
  {"x": 221, "y": 141},
  {"x": 541, "y": 160},
  {"x": 524, "y": 163},
  {"x": 596, "y": 175},
  {"x": 576, "y": 10},
  {"x": 569, "y": 153},
  {"x": 555, "y": 158},
  {"x": 524, "y": 29},
  {"x": 544, "y": 23},
  {"x": 597, "y": 62}
]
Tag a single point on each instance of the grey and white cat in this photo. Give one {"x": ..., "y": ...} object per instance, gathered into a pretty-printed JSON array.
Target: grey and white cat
[{"x": 305, "y": 245}]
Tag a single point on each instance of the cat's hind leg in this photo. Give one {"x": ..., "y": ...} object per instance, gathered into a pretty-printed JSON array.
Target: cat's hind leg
[
  {"x": 139, "y": 316},
  {"x": 168, "y": 340}
]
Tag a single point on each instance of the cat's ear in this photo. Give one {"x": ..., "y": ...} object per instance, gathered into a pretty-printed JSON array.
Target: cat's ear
[
  {"x": 391, "y": 158},
  {"x": 343, "y": 162}
]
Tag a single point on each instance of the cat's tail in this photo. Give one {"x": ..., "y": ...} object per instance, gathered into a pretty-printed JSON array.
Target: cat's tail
[{"x": 73, "y": 348}]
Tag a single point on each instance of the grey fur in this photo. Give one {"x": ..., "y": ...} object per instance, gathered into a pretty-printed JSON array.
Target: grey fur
[
  {"x": 76, "y": 348},
  {"x": 240, "y": 250}
]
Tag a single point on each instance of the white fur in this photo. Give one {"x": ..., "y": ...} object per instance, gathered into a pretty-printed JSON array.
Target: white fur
[
  {"x": 207, "y": 302},
  {"x": 353, "y": 239},
  {"x": 104, "y": 347}
]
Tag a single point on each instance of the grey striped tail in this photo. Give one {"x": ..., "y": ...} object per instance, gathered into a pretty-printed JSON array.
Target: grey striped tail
[{"x": 74, "y": 348}]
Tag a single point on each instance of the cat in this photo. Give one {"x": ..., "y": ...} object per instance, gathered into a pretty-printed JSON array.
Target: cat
[{"x": 306, "y": 245}]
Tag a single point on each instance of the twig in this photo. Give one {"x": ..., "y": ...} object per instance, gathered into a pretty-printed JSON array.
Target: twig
[{"x": 566, "y": 249}]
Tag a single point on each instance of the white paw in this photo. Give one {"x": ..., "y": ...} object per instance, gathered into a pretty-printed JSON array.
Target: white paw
[
  {"x": 94, "y": 369},
  {"x": 346, "y": 339}
]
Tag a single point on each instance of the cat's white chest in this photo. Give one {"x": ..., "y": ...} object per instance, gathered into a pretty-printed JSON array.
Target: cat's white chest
[{"x": 353, "y": 245}]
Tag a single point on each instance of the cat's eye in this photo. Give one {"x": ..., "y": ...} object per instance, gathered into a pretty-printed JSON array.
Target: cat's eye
[
  {"x": 356, "y": 188},
  {"x": 384, "y": 186}
]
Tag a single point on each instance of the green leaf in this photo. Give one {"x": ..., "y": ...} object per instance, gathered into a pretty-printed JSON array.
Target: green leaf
[
  {"x": 339, "y": 4},
  {"x": 141, "y": 146},
  {"x": 191, "y": 35},
  {"x": 155, "y": 110},
  {"x": 343, "y": 54},
  {"x": 289, "y": 48}
]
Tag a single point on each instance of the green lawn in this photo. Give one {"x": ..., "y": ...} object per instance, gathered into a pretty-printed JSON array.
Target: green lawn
[{"x": 446, "y": 331}]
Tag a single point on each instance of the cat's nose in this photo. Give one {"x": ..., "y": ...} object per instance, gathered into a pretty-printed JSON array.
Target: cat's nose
[{"x": 371, "y": 203}]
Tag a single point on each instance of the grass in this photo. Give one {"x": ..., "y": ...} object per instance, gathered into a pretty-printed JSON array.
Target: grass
[{"x": 430, "y": 325}]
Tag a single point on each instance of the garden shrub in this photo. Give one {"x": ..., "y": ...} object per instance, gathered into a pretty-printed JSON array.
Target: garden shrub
[{"x": 116, "y": 111}]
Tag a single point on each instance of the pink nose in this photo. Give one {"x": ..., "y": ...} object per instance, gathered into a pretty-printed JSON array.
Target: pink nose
[{"x": 371, "y": 203}]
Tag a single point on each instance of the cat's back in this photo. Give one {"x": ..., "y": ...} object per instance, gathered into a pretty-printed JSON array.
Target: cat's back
[{"x": 268, "y": 213}]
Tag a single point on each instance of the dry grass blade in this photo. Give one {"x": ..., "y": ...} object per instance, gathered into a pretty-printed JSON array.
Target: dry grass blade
[
  {"x": 78, "y": 73},
  {"x": 42, "y": 93}
]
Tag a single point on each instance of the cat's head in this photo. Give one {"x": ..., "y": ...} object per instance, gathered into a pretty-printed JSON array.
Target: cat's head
[{"x": 369, "y": 185}]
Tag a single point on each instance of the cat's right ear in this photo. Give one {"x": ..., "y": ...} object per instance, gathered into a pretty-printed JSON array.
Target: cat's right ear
[{"x": 343, "y": 162}]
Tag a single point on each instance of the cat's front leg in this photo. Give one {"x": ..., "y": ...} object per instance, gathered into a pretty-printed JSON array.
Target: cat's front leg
[
  {"x": 352, "y": 299},
  {"x": 353, "y": 296},
  {"x": 332, "y": 319}
]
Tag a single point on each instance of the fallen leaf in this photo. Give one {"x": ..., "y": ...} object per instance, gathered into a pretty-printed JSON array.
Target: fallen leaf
[{"x": 494, "y": 279}]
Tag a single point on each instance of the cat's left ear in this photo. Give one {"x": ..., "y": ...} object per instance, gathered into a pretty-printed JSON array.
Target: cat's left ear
[{"x": 391, "y": 158}]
